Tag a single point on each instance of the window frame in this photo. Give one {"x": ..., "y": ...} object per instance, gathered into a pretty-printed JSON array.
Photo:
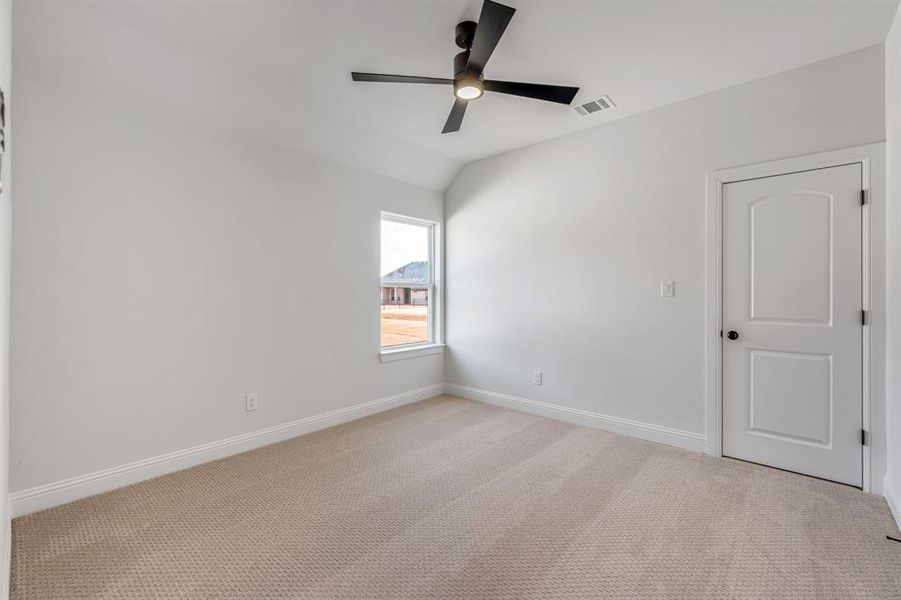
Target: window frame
[{"x": 435, "y": 342}]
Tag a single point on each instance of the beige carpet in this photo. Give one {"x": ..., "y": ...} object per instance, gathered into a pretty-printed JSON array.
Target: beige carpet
[{"x": 453, "y": 499}]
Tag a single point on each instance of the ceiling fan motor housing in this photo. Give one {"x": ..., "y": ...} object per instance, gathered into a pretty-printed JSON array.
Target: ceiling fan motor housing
[
  {"x": 461, "y": 62},
  {"x": 465, "y": 78}
]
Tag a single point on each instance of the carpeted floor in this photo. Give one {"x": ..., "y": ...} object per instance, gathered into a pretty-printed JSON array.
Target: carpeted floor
[{"x": 454, "y": 499}]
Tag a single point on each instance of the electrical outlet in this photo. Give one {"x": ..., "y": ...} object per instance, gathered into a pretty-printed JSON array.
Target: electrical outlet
[
  {"x": 667, "y": 289},
  {"x": 251, "y": 402},
  {"x": 536, "y": 377}
]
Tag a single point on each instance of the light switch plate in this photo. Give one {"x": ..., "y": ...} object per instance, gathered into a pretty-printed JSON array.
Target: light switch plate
[{"x": 667, "y": 289}]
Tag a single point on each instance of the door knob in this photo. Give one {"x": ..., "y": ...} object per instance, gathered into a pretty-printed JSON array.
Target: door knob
[{"x": 732, "y": 335}]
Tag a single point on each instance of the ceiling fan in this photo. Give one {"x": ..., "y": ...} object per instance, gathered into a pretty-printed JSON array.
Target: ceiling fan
[{"x": 478, "y": 41}]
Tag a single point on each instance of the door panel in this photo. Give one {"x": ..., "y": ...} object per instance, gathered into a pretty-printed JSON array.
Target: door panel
[
  {"x": 791, "y": 396},
  {"x": 795, "y": 288},
  {"x": 792, "y": 276}
]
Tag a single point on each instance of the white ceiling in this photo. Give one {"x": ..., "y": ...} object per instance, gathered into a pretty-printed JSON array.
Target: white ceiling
[{"x": 280, "y": 69}]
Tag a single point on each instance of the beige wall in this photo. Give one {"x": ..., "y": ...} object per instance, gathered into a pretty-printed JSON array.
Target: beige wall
[
  {"x": 5, "y": 202},
  {"x": 555, "y": 252},
  {"x": 161, "y": 272}
]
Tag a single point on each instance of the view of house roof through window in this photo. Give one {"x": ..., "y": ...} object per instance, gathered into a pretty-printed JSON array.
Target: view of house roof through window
[{"x": 418, "y": 270}]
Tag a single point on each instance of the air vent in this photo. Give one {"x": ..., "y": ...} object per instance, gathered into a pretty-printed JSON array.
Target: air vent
[{"x": 594, "y": 106}]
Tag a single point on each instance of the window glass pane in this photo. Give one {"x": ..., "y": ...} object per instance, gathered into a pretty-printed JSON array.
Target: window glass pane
[
  {"x": 405, "y": 283},
  {"x": 405, "y": 315},
  {"x": 405, "y": 252}
]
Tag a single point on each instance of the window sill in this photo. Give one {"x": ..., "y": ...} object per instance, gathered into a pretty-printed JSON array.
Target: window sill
[{"x": 412, "y": 352}]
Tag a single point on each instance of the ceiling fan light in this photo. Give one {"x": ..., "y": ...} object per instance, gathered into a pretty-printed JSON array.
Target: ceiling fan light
[
  {"x": 469, "y": 92},
  {"x": 468, "y": 89}
]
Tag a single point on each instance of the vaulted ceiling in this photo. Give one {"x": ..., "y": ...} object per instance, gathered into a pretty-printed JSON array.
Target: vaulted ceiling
[{"x": 281, "y": 69}]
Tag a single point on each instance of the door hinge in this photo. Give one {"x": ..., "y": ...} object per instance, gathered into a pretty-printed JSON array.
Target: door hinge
[
  {"x": 864, "y": 437},
  {"x": 863, "y": 197},
  {"x": 864, "y": 317}
]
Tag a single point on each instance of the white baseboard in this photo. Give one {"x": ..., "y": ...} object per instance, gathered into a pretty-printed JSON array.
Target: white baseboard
[
  {"x": 655, "y": 433},
  {"x": 75, "y": 488},
  {"x": 893, "y": 499},
  {"x": 61, "y": 492}
]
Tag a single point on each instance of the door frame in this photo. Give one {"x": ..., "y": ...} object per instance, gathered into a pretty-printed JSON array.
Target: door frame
[{"x": 872, "y": 160}]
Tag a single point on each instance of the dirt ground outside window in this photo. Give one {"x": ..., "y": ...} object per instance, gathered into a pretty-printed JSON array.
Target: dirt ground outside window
[{"x": 404, "y": 324}]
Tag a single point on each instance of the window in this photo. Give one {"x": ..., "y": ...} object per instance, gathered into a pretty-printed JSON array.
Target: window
[{"x": 409, "y": 269}]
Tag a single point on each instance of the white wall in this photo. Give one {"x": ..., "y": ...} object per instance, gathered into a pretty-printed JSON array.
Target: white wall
[
  {"x": 162, "y": 269},
  {"x": 5, "y": 197},
  {"x": 893, "y": 267},
  {"x": 555, "y": 252}
]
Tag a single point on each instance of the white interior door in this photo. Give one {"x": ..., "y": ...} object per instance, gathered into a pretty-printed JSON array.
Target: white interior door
[{"x": 792, "y": 322}]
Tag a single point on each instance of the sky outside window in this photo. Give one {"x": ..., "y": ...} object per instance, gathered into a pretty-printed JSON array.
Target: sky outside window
[{"x": 403, "y": 243}]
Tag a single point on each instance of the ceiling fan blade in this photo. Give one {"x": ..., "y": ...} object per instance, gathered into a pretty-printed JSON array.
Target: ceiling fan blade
[
  {"x": 455, "y": 118},
  {"x": 562, "y": 94},
  {"x": 492, "y": 23},
  {"x": 379, "y": 77}
]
